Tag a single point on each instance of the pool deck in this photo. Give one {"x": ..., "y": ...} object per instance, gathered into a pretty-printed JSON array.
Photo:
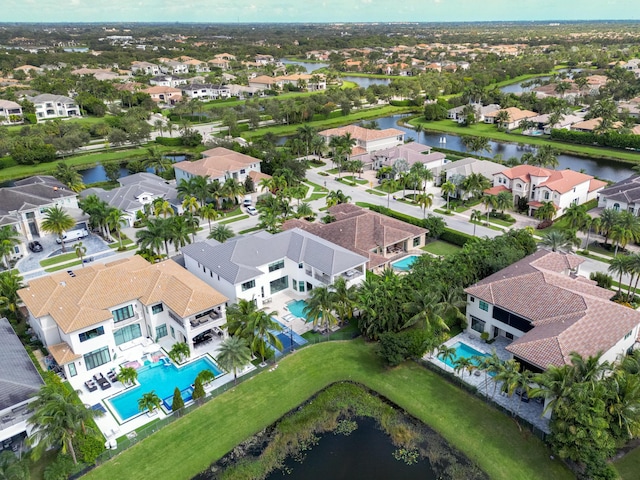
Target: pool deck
[
  {"x": 531, "y": 411},
  {"x": 279, "y": 305}
]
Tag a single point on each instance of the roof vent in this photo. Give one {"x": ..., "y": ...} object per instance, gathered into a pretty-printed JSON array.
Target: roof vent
[{"x": 63, "y": 284}]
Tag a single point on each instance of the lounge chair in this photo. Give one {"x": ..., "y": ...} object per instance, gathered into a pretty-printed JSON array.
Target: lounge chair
[
  {"x": 113, "y": 376},
  {"x": 91, "y": 386}
]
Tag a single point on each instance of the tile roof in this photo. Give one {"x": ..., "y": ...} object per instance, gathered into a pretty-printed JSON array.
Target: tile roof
[
  {"x": 32, "y": 192},
  {"x": 568, "y": 314},
  {"x": 360, "y": 133},
  {"x": 19, "y": 378},
  {"x": 237, "y": 260},
  {"x": 360, "y": 231},
  {"x": 560, "y": 181},
  {"x": 85, "y": 299},
  {"x": 62, "y": 353},
  {"x": 627, "y": 190},
  {"x": 217, "y": 162}
]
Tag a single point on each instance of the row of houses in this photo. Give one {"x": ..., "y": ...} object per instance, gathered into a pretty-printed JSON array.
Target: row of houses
[{"x": 47, "y": 106}]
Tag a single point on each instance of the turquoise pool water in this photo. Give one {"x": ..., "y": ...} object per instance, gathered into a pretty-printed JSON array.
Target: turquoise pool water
[
  {"x": 405, "y": 263},
  {"x": 297, "y": 308},
  {"x": 288, "y": 338},
  {"x": 462, "y": 350},
  {"x": 163, "y": 379}
]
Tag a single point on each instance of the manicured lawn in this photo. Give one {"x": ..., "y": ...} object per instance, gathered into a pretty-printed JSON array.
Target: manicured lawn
[
  {"x": 360, "y": 181},
  {"x": 188, "y": 446},
  {"x": 484, "y": 223},
  {"x": 443, "y": 212},
  {"x": 316, "y": 196},
  {"x": 58, "y": 258},
  {"x": 316, "y": 186},
  {"x": 249, "y": 230},
  {"x": 499, "y": 221},
  {"x": 375, "y": 192},
  {"x": 629, "y": 465},
  {"x": 234, "y": 219},
  {"x": 441, "y": 248},
  {"x": 491, "y": 131}
]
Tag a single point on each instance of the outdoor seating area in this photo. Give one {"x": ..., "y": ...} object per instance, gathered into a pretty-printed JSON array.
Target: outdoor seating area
[
  {"x": 102, "y": 382},
  {"x": 91, "y": 385}
]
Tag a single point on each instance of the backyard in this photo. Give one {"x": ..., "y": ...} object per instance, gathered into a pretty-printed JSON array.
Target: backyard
[
  {"x": 487, "y": 437},
  {"x": 441, "y": 248}
]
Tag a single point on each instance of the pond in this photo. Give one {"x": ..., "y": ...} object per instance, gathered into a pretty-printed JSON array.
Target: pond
[
  {"x": 97, "y": 173},
  {"x": 363, "y": 82},
  {"x": 310, "y": 66},
  {"x": 365, "y": 453}
]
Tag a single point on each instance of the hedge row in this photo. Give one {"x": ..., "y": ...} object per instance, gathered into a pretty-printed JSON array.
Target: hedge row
[
  {"x": 418, "y": 222},
  {"x": 169, "y": 141},
  {"x": 609, "y": 139},
  {"x": 455, "y": 237}
]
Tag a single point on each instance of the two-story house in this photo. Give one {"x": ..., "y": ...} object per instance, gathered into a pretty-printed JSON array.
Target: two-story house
[
  {"x": 367, "y": 139},
  {"x": 206, "y": 91},
  {"x": 145, "y": 68},
  {"x": 218, "y": 164},
  {"x": 257, "y": 267},
  {"x": 166, "y": 95},
  {"x": 88, "y": 317},
  {"x": 550, "y": 312},
  {"x": 514, "y": 118},
  {"x": 167, "y": 81},
  {"x": 10, "y": 112},
  {"x": 540, "y": 185},
  {"x": 49, "y": 106},
  {"x": 623, "y": 196}
]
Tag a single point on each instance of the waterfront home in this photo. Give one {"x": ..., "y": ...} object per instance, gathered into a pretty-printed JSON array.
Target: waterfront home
[
  {"x": 50, "y": 106},
  {"x": 218, "y": 164},
  {"x": 514, "y": 119},
  {"x": 367, "y": 140},
  {"x": 88, "y": 317},
  {"x": 623, "y": 196},
  {"x": 461, "y": 169},
  {"x": 411, "y": 152}
]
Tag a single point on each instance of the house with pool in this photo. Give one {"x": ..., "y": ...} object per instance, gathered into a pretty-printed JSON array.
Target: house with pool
[
  {"x": 89, "y": 318},
  {"x": 548, "y": 311},
  {"x": 262, "y": 266}
]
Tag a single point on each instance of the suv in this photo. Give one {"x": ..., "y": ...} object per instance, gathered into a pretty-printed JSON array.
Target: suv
[
  {"x": 35, "y": 246},
  {"x": 246, "y": 202},
  {"x": 252, "y": 210}
]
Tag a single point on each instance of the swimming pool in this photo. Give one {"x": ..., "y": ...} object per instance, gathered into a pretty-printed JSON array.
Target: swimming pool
[
  {"x": 287, "y": 337},
  {"x": 296, "y": 307},
  {"x": 405, "y": 263},
  {"x": 163, "y": 379},
  {"x": 462, "y": 351}
]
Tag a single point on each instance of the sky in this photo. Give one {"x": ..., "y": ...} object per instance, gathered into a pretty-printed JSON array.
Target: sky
[{"x": 268, "y": 11}]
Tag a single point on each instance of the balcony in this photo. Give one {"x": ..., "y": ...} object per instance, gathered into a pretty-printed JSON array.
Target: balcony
[
  {"x": 207, "y": 319},
  {"x": 323, "y": 278}
]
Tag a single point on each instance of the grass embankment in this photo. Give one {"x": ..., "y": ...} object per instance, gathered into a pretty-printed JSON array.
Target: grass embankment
[
  {"x": 491, "y": 132},
  {"x": 367, "y": 114},
  {"x": 489, "y": 438}
]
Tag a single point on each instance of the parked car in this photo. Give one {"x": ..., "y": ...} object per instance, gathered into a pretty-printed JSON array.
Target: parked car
[
  {"x": 252, "y": 210},
  {"x": 247, "y": 201},
  {"x": 35, "y": 246}
]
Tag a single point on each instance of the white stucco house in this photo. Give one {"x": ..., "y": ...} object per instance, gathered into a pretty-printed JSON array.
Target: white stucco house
[
  {"x": 367, "y": 140},
  {"x": 623, "y": 196},
  {"x": 257, "y": 267},
  {"x": 539, "y": 185},
  {"x": 549, "y": 312},
  {"x": 218, "y": 164},
  {"x": 50, "y": 106},
  {"x": 89, "y": 317}
]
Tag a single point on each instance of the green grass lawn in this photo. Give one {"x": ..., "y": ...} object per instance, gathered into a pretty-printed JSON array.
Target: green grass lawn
[
  {"x": 491, "y": 131},
  {"x": 359, "y": 181},
  {"x": 484, "y": 223},
  {"x": 47, "y": 262},
  {"x": 441, "y": 248},
  {"x": 316, "y": 186},
  {"x": 233, "y": 219},
  {"x": 185, "y": 447},
  {"x": 316, "y": 196},
  {"x": 629, "y": 465},
  {"x": 375, "y": 192},
  {"x": 498, "y": 221},
  {"x": 442, "y": 211}
]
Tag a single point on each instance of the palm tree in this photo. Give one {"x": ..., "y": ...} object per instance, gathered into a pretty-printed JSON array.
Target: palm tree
[
  {"x": 425, "y": 309},
  {"x": 262, "y": 327},
  {"x": 448, "y": 188},
  {"x": 425, "y": 200},
  {"x": 221, "y": 233},
  {"x": 559, "y": 241},
  {"x": 626, "y": 229},
  {"x": 608, "y": 218},
  {"x": 232, "y": 189},
  {"x": 179, "y": 351},
  {"x": 70, "y": 177},
  {"x": 234, "y": 353},
  {"x": 546, "y": 211},
  {"x": 154, "y": 235},
  {"x": 156, "y": 160},
  {"x": 57, "y": 221},
  {"x": 149, "y": 401},
  {"x": 504, "y": 200},
  {"x": 57, "y": 418},
  {"x": 337, "y": 197},
  {"x": 576, "y": 215},
  {"x": 179, "y": 231},
  {"x": 206, "y": 376},
  {"x": 9, "y": 238},
  {"x": 344, "y": 298},
  {"x": 475, "y": 184},
  {"x": 304, "y": 210},
  {"x": 475, "y": 218},
  {"x": 10, "y": 283},
  {"x": 190, "y": 204},
  {"x": 320, "y": 306},
  {"x": 619, "y": 265},
  {"x": 115, "y": 221},
  {"x": 488, "y": 201},
  {"x": 546, "y": 156},
  {"x": 476, "y": 144},
  {"x": 97, "y": 210},
  {"x": 12, "y": 468},
  {"x": 502, "y": 118},
  {"x": 209, "y": 213},
  {"x": 81, "y": 251},
  {"x": 464, "y": 363},
  {"x": 446, "y": 353},
  {"x": 419, "y": 128},
  {"x": 127, "y": 375}
]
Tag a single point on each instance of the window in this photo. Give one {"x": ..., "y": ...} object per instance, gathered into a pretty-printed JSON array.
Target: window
[
  {"x": 248, "y": 285},
  {"x": 616, "y": 206},
  {"x": 156, "y": 309},
  {"x": 484, "y": 306},
  {"x": 128, "y": 333},
  {"x": 72, "y": 370},
  {"x": 546, "y": 195},
  {"x": 276, "y": 266},
  {"x": 628, "y": 334},
  {"x": 161, "y": 331},
  {"x": 416, "y": 241},
  {"x": 122, "y": 314},
  {"x": 472, "y": 299},
  {"x": 508, "y": 335},
  {"x": 301, "y": 265},
  {"x": 301, "y": 286},
  {"x": 279, "y": 284},
  {"x": 477, "y": 324},
  {"x": 89, "y": 334},
  {"x": 97, "y": 358},
  {"x": 173, "y": 332},
  {"x": 242, "y": 171}
]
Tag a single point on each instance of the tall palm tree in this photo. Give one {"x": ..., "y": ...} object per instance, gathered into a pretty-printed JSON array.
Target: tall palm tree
[
  {"x": 626, "y": 229},
  {"x": 489, "y": 201},
  {"x": 221, "y": 233},
  {"x": 576, "y": 215},
  {"x": 425, "y": 309},
  {"x": 9, "y": 238},
  {"x": 546, "y": 211},
  {"x": 10, "y": 283},
  {"x": 57, "y": 221},
  {"x": 190, "y": 204},
  {"x": 446, "y": 353},
  {"x": 344, "y": 298},
  {"x": 591, "y": 224},
  {"x": 425, "y": 200},
  {"x": 81, "y": 251},
  {"x": 503, "y": 201},
  {"x": 320, "y": 306},
  {"x": 13, "y": 468},
  {"x": 154, "y": 235},
  {"x": 262, "y": 326},
  {"x": 209, "y": 213},
  {"x": 233, "y": 189},
  {"x": 620, "y": 265},
  {"x": 69, "y": 176},
  {"x": 115, "y": 221},
  {"x": 234, "y": 354},
  {"x": 97, "y": 210},
  {"x": 179, "y": 231},
  {"x": 475, "y": 184},
  {"x": 475, "y": 217},
  {"x": 448, "y": 188}
]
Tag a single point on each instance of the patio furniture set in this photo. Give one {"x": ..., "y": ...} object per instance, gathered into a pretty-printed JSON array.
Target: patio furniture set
[{"x": 100, "y": 381}]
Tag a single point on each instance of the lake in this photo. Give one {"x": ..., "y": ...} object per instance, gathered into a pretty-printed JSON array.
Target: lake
[
  {"x": 365, "y": 453},
  {"x": 363, "y": 82},
  {"x": 97, "y": 173}
]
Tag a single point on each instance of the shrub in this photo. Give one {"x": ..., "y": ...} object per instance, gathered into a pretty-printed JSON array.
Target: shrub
[
  {"x": 6, "y": 162},
  {"x": 169, "y": 141},
  {"x": 30, "y": 118},
  {"x": 89, "y": 447},
  {"x": 602, "y": 279},
  {"x": 198, "y": 390},
  {"x": 457, "y": 238},
  {"x": 395, "y": 348},
  {"x": 544, "y": 224},
  {"x": 177, "y": 402}
]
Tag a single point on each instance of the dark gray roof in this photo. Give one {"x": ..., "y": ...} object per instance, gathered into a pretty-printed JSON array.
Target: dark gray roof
[
  {"x": 19, "y": 379},
  {"x": 32, "y": 192},
  {"x": 49, "y": 97},
  {"x": 237, "y": 260},
  {"x": 627, "y": 190}
]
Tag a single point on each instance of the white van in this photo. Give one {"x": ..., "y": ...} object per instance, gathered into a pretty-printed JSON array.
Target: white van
[{"x": 73, "y": 235}]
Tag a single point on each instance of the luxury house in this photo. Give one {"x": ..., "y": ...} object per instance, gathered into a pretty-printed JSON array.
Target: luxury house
[
  {"x": 550, "y": 312},
  {"x": 49, "y": 106},
  {"x": 480, "y": 111},
  {"x": 257, "y": 267},
  {"x": 622, "y": 196},
  {"x": 167, "y": 95},
  {"x": 86, "y": 318},
  {"x": 461, "y": 169},
  {"x": 167, "y": 81},
  {"x": 23, "y": 206},
  {"x": 10, "y": 112},
  {"x": 218, "y": 164},
  {"x": 136, "y": 191},
  {"x": 379, "y": 238},
  {"x": 19, "y": 383},
  {"x": 411, "y": 152},
  {"x": 206, "y": 91},
  {"x": 514, "y": 119},
  {"x": 539, "y": 185},
  {"x": 367, "y": 140},
  {"x": 145, "y": 68}
]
